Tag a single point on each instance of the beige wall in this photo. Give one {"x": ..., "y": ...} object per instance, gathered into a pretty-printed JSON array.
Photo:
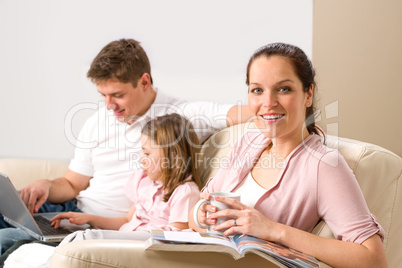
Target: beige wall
[{"x": 357, "y": 53}]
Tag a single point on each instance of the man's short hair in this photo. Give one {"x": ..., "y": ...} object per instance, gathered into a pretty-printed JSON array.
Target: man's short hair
[{"x": 124, "y": 60}]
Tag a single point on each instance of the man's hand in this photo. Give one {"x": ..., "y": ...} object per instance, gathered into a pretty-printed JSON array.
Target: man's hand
[
  {"x": 56, "y": 191},
  {"x": 35, "y": 194}
]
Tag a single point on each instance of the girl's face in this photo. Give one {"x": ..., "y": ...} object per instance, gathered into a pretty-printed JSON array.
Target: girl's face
[
  {"x": 276, "y": 98},
  {"x": 152, "y": 158}
]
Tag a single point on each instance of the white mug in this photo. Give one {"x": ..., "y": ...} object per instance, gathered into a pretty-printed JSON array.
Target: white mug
[{"x": 219, "y": 205}]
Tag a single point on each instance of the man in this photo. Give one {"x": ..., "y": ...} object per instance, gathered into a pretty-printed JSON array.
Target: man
[{"x": 108, "y": 147}]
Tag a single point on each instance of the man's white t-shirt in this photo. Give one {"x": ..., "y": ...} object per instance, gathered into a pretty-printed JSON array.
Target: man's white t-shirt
[{"x": 109, "y": 151}]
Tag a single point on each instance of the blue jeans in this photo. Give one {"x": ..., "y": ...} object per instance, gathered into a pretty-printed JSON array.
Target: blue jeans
[{"x": 9, "y": 235}]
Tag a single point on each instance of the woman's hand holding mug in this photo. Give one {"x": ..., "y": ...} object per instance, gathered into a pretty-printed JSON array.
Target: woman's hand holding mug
[{"x": 209, "y": 205}]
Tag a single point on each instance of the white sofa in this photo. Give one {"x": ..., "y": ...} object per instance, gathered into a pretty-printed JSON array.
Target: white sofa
[{"x": 377, "y": 170}]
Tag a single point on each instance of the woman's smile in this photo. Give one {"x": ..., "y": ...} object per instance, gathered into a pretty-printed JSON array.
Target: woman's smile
[{"x": 272, "y": 118}]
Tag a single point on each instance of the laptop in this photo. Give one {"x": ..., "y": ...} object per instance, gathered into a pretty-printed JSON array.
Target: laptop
[{"x": 17, "y": 214}]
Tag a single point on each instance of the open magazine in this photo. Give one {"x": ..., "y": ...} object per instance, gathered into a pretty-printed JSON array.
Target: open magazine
[{"x": 236, "y": 246}]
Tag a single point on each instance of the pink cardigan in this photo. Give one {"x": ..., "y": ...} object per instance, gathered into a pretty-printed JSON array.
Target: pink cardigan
[{"x": 315, "y": 183}]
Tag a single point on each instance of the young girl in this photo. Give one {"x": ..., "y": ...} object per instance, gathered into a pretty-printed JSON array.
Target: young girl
[{"x": 164, "y": 189}]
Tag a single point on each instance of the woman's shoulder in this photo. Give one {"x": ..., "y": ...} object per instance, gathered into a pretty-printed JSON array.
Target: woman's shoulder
[
  {"x": 313, "y": 146},
  {"x": 326, "y": 158}
]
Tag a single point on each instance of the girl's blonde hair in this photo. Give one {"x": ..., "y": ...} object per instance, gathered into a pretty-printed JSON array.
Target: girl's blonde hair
[{"x": 176, "y": 137}]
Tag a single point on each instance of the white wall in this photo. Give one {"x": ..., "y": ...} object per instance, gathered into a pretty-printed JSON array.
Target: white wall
[{"x": 198, "y": 50}]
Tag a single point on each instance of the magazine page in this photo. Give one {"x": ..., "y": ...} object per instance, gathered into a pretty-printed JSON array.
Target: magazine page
[
  {"x": 193, "y": 237},
  {"x": 285, "y": 255}
]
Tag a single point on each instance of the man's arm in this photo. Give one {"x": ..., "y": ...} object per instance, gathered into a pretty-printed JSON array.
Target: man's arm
[
  {"x": 56, "y": 191},
  {"x": 238, "y": 114},
  {"x": 68, "y": 187}
]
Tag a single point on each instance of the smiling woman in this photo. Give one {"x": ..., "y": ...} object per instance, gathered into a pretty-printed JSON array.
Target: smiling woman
[{"x": 314, "y": 182}]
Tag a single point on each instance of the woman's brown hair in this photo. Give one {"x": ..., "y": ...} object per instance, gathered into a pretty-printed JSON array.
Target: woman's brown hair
[{"x": 176, "y": 137}]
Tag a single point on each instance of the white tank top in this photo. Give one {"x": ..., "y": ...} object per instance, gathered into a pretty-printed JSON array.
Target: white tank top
[{"x": 250, "y": 191}]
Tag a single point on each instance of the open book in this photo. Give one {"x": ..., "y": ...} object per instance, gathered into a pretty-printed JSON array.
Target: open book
[{"x": 236, "y": 246}]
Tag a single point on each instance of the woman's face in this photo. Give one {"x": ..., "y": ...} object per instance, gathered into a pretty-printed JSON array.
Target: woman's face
[
  {"x": 152, "y": 158},
  {"x": 276, "y": 98}
]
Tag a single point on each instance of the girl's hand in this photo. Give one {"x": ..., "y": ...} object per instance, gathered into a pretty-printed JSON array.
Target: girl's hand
[
  {"x": 245, "y": 220},
  {"x": 74, "y": 217}
]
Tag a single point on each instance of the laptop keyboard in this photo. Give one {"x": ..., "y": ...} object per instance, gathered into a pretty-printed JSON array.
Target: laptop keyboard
[{"x": 47, "y": 229}]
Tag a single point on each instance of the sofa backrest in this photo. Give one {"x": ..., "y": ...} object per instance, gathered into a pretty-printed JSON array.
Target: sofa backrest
[
  {"x": 23, "y": 172},
  {"x": 215, "y": 149},
  {"x": 377, "y": 170}
]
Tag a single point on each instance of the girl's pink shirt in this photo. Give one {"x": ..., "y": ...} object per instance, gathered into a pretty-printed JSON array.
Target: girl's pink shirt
[
  {"x": 315, "y": 183},
  {"x": 151, "y": 211}
]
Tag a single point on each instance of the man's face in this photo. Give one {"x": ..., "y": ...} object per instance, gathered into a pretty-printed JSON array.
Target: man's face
[{"x": 126, "y": 102}]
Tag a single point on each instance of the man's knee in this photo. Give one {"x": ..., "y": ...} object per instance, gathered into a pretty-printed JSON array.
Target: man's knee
[{"x": 9, "y": 236}]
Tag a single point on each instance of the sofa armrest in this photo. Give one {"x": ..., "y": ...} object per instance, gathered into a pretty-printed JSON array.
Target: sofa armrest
[
  {"x": 103, "y": 253},
  {"x": 25, "y": 171},
  {"x": 131, "y": 254}
]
